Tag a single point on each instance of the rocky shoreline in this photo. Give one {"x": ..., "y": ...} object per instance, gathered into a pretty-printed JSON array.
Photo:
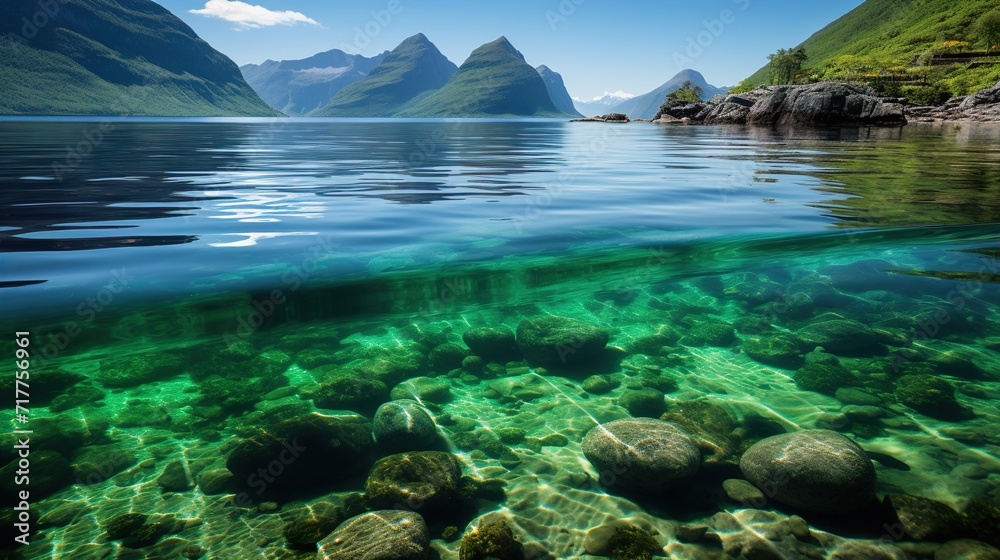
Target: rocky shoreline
[{"x": 820, "y": 104}]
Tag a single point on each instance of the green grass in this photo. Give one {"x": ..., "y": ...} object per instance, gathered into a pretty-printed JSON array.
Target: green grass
[
  {"x": 494, "y": 81},
  {"x": 414, "y": 67},
  {"x": 890, "y": 35},
  {"x": 131, "y": 57}
]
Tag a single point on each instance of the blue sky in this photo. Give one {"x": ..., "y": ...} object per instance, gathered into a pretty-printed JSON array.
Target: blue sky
[{"x": 597, "y": 45}]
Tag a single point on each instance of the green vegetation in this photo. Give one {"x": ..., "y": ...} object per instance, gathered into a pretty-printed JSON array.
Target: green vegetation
[
  {"x": 897, "y": 47},
  {"x": 413, "y": 68},
  {"x": 632, "y": 543},
  {"x": 987, "y": 29},
  {"x": 688, "y": 91},
  {"x": 494, "y": 81},
  {"x": 99, "y": 57},
  {"x": 786, "y": 65}
]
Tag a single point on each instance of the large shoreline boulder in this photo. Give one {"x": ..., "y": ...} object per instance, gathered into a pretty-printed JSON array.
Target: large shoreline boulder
[{"x": 641, "y": 453}]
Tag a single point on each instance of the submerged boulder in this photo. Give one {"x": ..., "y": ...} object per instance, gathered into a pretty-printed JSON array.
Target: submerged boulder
[
  {"x": 378, "y": 535},
  {"x": 493, "y": 344},
  {"x": 553, "y": 341},
  {"x": 815, "y": 470},
  {"x": 404, "y": 425},
  {"x": 429, "y": 480},
  {"x": 641, "y": 453}
]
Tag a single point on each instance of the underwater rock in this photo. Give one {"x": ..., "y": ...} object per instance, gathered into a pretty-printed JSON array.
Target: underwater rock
[
  {"x": 868, "y": 550},
  {"x": 932, "y": 396},
  {"x": 237, "y": 395},
  {"x": 553, "y": 341},
  {"x": 44, "y": 388},
  {"x": 78, "y": 395},
  {"x": 851, "y": 395},
  {"x": 711, "y": 426},
  {"x": 709, "y": 333},
  {"x": 780, "y": 350},
  {"x": 50, "y": 472},
  {"x": 404, "y": 425},
  {"x": 923, "y": 519},
  {"x": 135, "y": 531},
  {"x": 493, "y": 344},
  {"x": 430, "y": 389},
  {"x": 215, "y": 481},
  {"x": 174, "y": 477},
  {"x": 378, "y": 535},
  {"x": 743, "y": 492},
  {"x": 350, "y": 393},
  {"x": 446, "y": 357},
  {"x": 652, "y": 345},
  {"x": 755, "y": 292},
  {"x": 844, "y": 337},
  {"x": 491, "y": 540},
  {"x": 239, "y": 351},
  {"x": 302, "y": 454},
  {"x": 966, "y": 549},
  {"x": 391, "y": 367},
  {"x": 97, "y": 463},
  {"x": 429, "y": 480},
  {"x": 142, "y": 413},
  {"x": 599, "y": 384},
  {"x": 473, "y": 364},
  {"x": 132, "y": 371},
  {"x": 303, "y": 534},
  {"x": 983, "y": 516},
  {"x": 645, "y": 402},
  {"x": 815, "y": 470},
  {"x": 632, "y": 543},
  {"x": 641, "y": 453},
  {"x": 823, "y": 378}
]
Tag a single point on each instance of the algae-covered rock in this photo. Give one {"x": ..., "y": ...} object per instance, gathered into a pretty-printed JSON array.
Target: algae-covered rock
[
  {"x": 493, "y": 344},
  {"x": 348, "y": 392},
  {"x": 429, "y": 480},
  {"x": 923, "y": 519},
  {"x": 983, "y": 516},
  {"x": 174, "y": 477},
  {"x": 378, "y": 535},
  {"x": 932, "y": 396},
  {"x": 404, "y": 425},
  {"x": 779, "y": 350},
  {"x": 816, "y": 470},
  {"x": 446, "y": 357},
  {"x": 599, "y": 384},
  {"x": 845, "y": 337},
  {"x": 632, "y": 543},
  {"x": 645, "y": 402},
  {"x": 135, "y": 530},
  {"x": 491, "y": 540},
  {"x": 303, "y": 534},
  {"x": 430, "y": 389},
  {"x": 641, "y": 453},
  {"x": 824, "y": 378},
  {"x": 711, "y": 426},
  {"x": 709, "y": 333},
  {"x": 553, "y": 341},
  {"x": 139, "y": 369}
]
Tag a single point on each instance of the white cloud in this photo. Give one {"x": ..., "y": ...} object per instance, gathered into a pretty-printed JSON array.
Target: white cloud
[{"x": 246, "y": 15}]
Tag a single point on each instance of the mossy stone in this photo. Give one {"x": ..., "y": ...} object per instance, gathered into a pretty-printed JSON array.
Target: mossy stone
[
  {"x": 446, "y": 357},
  {"x": 710, "y": 333},
  {"x": 493, "y": 344},
  {"x": 491, "y": 541},
  {"x": 351, "y": 393},
  {"x": 303, "y": 534},
  {"x": 930, "y": 395},
  {"x": 632, "y": 543},
  {"x": 645, "y": 402},
  {"x": 780, "y": 350},
  {"x": 824, "y": 378}
]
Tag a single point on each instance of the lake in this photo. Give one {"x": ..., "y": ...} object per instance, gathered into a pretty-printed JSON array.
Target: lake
[{"x": 192, "y": 284}]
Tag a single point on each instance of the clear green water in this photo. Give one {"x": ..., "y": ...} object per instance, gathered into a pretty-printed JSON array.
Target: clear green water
[{"x": 891, "y": 234}]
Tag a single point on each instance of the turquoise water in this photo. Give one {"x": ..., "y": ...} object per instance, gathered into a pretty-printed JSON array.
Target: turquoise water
[{"x": 192, "y": 284}]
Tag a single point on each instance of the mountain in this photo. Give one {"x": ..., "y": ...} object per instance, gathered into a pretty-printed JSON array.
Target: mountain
[
  {"x": 107, "y": 57},
  {"x": 894, "y": 35},
  {"x": 494, "y": 81},
  {"x": 298, "y": 87},
  {"x": 601, "y": 104},
  {"x": 414, "y": 67},
  {"x": 646, "y": 105},
  {"x": 557, "y": 90}
]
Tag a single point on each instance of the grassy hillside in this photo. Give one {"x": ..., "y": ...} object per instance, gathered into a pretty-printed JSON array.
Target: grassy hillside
[
  {"x": 898, "y": 37},
  {"x": 494, "y": 81},
  {"x": 411, "y": 69},
  {"x": 125, "y": 57}
]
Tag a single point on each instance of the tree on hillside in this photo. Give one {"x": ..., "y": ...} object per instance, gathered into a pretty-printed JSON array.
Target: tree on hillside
[
  {"x": 987, "y": 28},
  {"x": 786, "y": 64},
  {"x": 688, "y": 91}
]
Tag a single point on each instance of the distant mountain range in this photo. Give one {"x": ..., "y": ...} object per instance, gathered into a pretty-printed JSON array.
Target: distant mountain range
[
  {"x": 646, "y": 105},
  {"x": 414, "y": 68},
  {"x": 557, "y": 90},
  {"x": 600, "y": 105},
  {"x": 299, "y": 87},
  {"x": 106, "y": 57}
]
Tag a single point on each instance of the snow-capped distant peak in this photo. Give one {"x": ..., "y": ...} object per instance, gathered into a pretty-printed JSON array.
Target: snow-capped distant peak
[{"x": 616, "y": 97}]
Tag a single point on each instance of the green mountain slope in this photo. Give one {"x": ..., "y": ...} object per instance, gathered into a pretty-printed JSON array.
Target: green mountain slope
[
  {"x": 898, "y": 36},
  {"x": 298, "y": 87},
  {"x": 494, "y": 81},
  {"x": 414, "y": 67},
  {"x": 108, "y": 57},
  {"x": 557, "y": 90}
]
